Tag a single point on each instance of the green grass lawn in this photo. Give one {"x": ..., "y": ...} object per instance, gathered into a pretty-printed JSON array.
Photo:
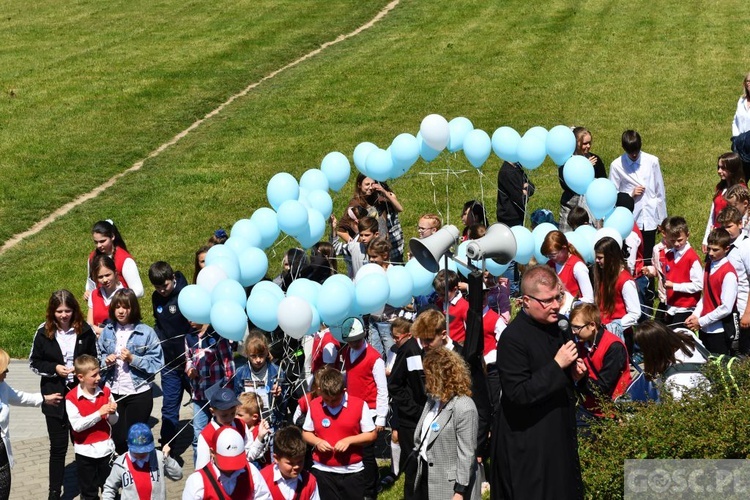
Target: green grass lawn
[{"x": 97, "y": 89}]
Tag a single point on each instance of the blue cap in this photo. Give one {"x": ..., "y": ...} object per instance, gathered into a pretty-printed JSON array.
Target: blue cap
[
  {"x": 223, "y": 399},
  {"x": 542, "y": 215},
  {"x": 140, "y": 439}
]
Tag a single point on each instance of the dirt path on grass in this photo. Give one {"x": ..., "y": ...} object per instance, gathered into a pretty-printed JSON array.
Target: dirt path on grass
[{"x": 17, "y": 238}]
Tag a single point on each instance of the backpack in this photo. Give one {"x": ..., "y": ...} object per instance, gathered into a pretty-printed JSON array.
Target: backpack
[{"x": 723, "y": 362}]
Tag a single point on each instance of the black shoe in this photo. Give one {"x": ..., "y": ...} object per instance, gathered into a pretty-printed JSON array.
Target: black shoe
[{"x": 54, "y": 495}]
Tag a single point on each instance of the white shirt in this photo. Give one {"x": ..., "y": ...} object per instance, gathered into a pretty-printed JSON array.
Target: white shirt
[
  {"x": 711, "y": 219},
  {"x": 67, "y": 342},
  {"x": 632, "y": 304},
  {"x": 694, "y": 285},
  {"x": 80, "y": 423},
  {"x": 10, "y": 396},
  {"x": 123, "y": 381},
  {"x": 679, "y": 382},
  {"x": 581, "y": 275},
  {"x": 739, "y": 256},
  {"x": 365, "y": 425},
  {"x": 429, "y": 419},
  {"x": 288, "y": 487},
  {"x": 711, "y": 322},
  {"x": 651, "y": 207},
  {"x": 741, "y": 122},
  {"x": 380, "y": 412},
  {"x": 656, "y": 267},
  {"x": 194, "y": 484}
]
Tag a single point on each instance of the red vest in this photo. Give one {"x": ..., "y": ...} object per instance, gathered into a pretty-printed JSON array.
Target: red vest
[
  {"x": 302, "y": 404},
  {"x": 209, "y": 431},
  {"x": 120, "y": 256},
  {"x": 489, "y": 321},
  {"x": 101, "y": 310},
  {"x": 566, "y": 275},
  {"x": 715, "y": 282},
  {"x": 679, "y": 272},
  {"x": 141, "y": 477},
  {"x": 360, "y": 381},
  {"x": 319, "y": 343},
  {"x": 334, "y": 428},
  {"x": 619, "y": 311},
  {"x": 305, "y": 492},
  {"x": 594, "y": 363},
  {"x": 243, "y": 491},
  {"x": 638, "y": 251},
  {"x": 457, "y": 314},
  {"x": 99, "y": 431},
  {"x": 719, "y": 204}
]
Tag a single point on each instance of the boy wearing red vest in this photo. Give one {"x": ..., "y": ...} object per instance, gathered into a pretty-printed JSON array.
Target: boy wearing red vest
[
  {"x": 719, "y": 296},
  {"x": 337, "y": 426},
  {"x": 91, "y": 411},
  {"x": 364, "y": 370},
  {"x": 325, "y": 350},
  {"x": 457, "y": 309},
  {"x": 228, "y": 476},
  {"x": 739, "y": 255},
  {"x": 285, "y": 478},
  {"x": 140, "y": 472},
  {"x": 683, "y": 272}
]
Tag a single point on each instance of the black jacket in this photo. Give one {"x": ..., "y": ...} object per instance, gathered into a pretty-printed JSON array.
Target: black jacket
[
  {"x": 171, "y": 326},
  {"x": 511, "y": 202},
  {"x": 46, "y": 355},
  {"x": 406, "y": 384}
]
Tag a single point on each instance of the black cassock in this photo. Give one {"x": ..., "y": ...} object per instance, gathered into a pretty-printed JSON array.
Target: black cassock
[{"x": 534, "y": 443}]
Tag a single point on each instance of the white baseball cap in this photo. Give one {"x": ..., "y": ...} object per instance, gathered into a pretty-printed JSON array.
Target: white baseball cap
[{"x": 230, "y": 449}]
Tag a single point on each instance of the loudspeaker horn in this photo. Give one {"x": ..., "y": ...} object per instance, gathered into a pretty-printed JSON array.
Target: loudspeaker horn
[
  {"x": 498, "y": 244},
  {"x": 428, "y": 251}
]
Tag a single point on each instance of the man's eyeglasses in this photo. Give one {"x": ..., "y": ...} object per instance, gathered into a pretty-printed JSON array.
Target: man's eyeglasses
[{"x": 548, "y": 302}]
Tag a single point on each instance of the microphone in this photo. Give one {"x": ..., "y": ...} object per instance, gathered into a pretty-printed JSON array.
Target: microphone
[{"x": 563, "y": 324}]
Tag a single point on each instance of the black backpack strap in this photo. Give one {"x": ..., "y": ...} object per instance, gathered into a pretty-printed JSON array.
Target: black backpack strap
[
  {"x": 682, "y": 368},
  {"x": 207, "y": 470}
]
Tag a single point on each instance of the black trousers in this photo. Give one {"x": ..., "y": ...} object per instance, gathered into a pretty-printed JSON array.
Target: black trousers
[
  {"x": 4, "y": 472},
  {"x": 716, "y": 343},
  {"x": 92, "y": 474},
  {"x": 131, "y": 409},
  {"x": 335, "y": 486},
  {"x": 58, "y": 430},
  {"x": 371, "y": 474},
  {"x": 406, "y": 441}
]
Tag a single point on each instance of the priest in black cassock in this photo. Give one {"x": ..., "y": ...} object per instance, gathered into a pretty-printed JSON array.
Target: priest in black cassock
[{"x": 534, "y": 443}]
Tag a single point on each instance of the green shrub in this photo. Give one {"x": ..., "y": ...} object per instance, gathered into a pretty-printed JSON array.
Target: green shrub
[{"x": 706, "y": 423}]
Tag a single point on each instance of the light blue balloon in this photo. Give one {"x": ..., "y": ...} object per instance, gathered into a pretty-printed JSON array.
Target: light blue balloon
[
  {"x": 344, "y": 280},
  {"x": 229, "y": 290},
  {"x": 451, "y": 265},
  {"x": 541, "y": 231},
  {"x": 321, "y": 201},
  {"x": 425, "y": 151},
  {"x": 524, "y": 244},
  {"x": 292, "y": 217},
  {"x": 601, "y": 197},
  {"x": 400, "y": 285},
  {"x": 404, "y": 153},
  {"x": 315, "y": 323},
  {"x": 314, "y": 179},
  {"x": 229, "y": 320},
  {"x": 218, "y": 252},
  {"x": 246, "y": 229},
  {"x": 334, "y": 301},
  {"x": 581, "y": 244},
  {"x": 253, "y": 266},
  {"x": 531, "y": 152},
  {"x": 230, "y": 266},
  {"x": 561, "y": 144},
  {"x": 578, "y": 173},
  {"x": 505, "y": 143},
  {"x": 458, "y": 128},
  {"x": 538, "y": 255},
  {"x": 237, "y": 245},
  {"x": 195, "y": 304},
  {"x": 495, "y": 268},
  {"x": 361, "y": 152},
  {"x": 266, "y": 222},
  {"x": 539, "y": 132},
  {"x": 262, "y": 309},
  {"x": 314, "y": 230},
  {"x": 305, "y": 289},
  {"x": 270, "y": 287},
  {"x": 281, "y": 187},
  {"x": 421, "y": 277},
  {"x": 477, "y": 147},
  {"x": 372, "y": 292},
  {"x": 587, "y": 235},
  {"x": 621, "y": 220},
  {"x": 461, "y": 255},
  {"x": 379, "y": 165},
  {"x": 303, "y": 197},
  {"x": 337, "y": 170}
]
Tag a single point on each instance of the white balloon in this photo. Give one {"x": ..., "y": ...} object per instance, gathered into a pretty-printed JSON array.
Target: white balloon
[
  {"x": 210, "y": 276},
  {"x": 435, "y": 131},
  {"x": 295, "y": 316},
  {"x": 608, "y": 232}
]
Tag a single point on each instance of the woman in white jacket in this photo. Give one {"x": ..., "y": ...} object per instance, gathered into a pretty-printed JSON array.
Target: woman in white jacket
[{"x": 10, "y": 396}]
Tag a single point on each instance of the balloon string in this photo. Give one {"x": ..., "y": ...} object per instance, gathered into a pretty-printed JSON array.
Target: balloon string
[
  {"x": 447, "y": 194},
  {"x": 481, "y": 189}
]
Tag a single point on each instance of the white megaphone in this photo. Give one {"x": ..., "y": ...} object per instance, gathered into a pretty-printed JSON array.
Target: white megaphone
[
  {"x": 428, "y": 251},
  {"x": 498, "y": 244}
]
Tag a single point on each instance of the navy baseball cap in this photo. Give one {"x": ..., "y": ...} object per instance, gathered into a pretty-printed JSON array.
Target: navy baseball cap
[
  {"x": 140, "y": 439},
  {"x": 223, "y": 399}
]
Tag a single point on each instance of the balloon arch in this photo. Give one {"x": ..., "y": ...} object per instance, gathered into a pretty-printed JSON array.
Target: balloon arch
[{"x": 301, "y": 209}]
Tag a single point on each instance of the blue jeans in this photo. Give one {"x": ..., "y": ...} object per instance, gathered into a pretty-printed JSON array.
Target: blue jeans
[
  {"x": 380, "y": 337},
  {"x": 173, "y": 383},
  {"x": 201, "y": 418},
  {"x": 513, "y": 281}
]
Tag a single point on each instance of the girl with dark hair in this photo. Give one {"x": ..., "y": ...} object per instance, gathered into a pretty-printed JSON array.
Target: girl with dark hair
[
  {"x": 663, "y": 348},
  {"x": 295, "y": 264},
  {"x": 58, "y": 341},
  {"x": 473, "y": 213},
  {"x": 132, "y": 354},
  {"x": 104, "y": 273},
  {"x": 615, "y": 291},
  {"x": 568, "y": 265},
  {"x": 108, "y": 241},
  {"x": 729, "y": 169},
  {"x": 200, "y": 261}
]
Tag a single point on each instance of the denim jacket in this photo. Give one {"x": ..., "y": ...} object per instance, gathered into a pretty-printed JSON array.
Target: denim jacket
[{"x": 143, "y": 343}]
